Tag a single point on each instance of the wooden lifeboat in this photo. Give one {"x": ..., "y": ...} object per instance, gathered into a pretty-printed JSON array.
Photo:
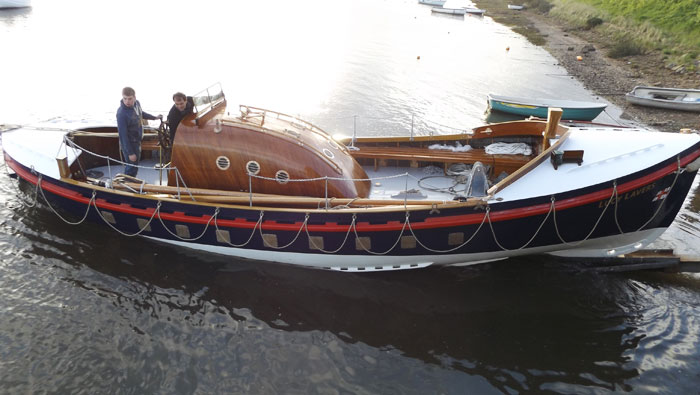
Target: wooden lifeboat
[{"x": 262, "y": 150}]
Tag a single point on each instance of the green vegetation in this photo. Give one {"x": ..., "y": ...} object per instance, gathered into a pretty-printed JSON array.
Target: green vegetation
[
  {"x": 637, "y": 26},
  {"x": 542, "y": 6},
  {"x": 625, "y": 47},
  {"x": 593, "y": 22}
]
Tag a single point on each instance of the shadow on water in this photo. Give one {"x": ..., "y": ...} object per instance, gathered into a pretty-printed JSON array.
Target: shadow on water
[
  {"x": 528, "y": 323},
  {"x": 498, "y": 116}
]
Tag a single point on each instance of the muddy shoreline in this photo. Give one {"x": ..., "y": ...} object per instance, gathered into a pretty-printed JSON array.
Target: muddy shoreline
[{"x": 605, "y": 77}]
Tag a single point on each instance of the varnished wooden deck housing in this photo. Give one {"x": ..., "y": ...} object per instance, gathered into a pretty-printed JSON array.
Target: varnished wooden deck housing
[
  {"x": 382, "y": 151},
  {"x": 218, "y": 152}
]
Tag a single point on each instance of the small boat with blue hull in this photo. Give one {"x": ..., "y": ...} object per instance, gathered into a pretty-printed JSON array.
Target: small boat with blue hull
[
  {"x": 267, "y": 186},
  {"x": 573, "y": 110}
]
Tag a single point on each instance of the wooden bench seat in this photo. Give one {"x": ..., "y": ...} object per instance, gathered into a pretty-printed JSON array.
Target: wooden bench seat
[{"x": 498, "y": 163}]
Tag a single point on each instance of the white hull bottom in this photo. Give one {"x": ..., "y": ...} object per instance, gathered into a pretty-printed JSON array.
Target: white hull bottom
[{"x": 602, "y": 247}]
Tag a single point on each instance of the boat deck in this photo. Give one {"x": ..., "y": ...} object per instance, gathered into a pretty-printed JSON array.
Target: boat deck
[
  {"x": 429, "y": 182},
  {"x": 148, "y": 172}
]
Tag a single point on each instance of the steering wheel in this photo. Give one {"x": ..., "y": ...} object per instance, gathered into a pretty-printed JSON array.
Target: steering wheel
[{"x": 164, "y": 135}]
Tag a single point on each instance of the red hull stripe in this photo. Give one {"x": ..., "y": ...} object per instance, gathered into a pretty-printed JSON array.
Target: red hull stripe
[{"x": 429, "y": 223}]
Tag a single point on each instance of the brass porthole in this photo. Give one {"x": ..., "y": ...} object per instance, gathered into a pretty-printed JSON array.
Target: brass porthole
[
  {"x": 252, "y": 167},
  {"x": 282, "y": 176},
  {"x": 328, "y": 153},
  {"x": 223, "y": 163}
]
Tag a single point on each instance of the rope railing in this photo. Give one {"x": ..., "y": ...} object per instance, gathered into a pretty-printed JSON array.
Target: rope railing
[{"x": 352, "y": 227}]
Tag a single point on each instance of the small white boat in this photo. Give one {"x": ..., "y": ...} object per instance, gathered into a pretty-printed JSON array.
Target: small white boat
[
  {"x": 433, "y": 2},
  {"x": 459, "y": 11},
  {"x": 15, "y": 3},
  {"x": 668, "y": 98},
  {"x": 475, "y": 11},
  {"x": 515, "y": 7},
  {"x": 452, "y": 11}
]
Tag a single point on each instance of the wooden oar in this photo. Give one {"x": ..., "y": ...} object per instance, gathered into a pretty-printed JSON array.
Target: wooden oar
[{"x": 233, "y": 197}]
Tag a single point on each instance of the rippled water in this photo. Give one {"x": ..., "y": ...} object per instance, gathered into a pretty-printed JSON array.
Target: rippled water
[{"x": 85, "y": 310}]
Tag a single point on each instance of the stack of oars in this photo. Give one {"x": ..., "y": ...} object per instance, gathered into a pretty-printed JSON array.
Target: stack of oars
[{"x": 259, "y": 199}]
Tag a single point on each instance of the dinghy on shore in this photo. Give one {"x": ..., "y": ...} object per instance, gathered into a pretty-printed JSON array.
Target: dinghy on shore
[
  {"x": 263, "y": 185},
  {"x": 668, "y": 98}
]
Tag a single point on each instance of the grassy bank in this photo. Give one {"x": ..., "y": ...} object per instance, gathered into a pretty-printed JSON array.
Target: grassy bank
[
  {"x": 633, "y": 27},
  {"x": 639, "y": 26}
]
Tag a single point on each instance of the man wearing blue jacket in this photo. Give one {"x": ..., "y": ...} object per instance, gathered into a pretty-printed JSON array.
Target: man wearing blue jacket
[{"x": 130, "y": 118}]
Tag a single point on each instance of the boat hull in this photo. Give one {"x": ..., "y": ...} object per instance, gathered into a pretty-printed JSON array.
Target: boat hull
[
  {"x": 598, "y": 220},
  {"x": 586, "y": 112},
  {"x": 433, "y": 2},
  {"x": 666, "y": 98}
]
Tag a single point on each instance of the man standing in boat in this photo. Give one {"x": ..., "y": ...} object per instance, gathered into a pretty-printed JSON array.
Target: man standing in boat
[
  {"x": 183, "y": 106},
  {"x": 130, "y": 118}
]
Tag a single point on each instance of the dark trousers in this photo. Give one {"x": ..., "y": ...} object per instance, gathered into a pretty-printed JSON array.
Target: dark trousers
[{"x": 130, "y": 168}]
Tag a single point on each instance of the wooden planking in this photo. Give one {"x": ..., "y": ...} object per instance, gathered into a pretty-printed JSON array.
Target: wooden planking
[
  {"x": 529, "y": 166},
  {"x": 553, "y": 118},
  {"x": 196, "y": 149},
  {"x": 498, "y": 163}
]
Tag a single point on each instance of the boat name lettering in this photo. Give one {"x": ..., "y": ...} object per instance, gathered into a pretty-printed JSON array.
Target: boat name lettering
[{"x": 629, "y": 195}]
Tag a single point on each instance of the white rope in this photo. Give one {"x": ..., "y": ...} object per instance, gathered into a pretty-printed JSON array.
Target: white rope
[
  {"x": 109, "y": 158},
  {"x": 574, "y": 244},
  {"x": 92, "y": 198},
  {"x": 359, "y": 241},
  {"x": 678, "y": 173},
  {"x": 15, "y": 185},
  {"x": 260, "y": 218},
  {"x": 216, "y": 212},
  {"x": 265, "y": 243},
  {"x": 493, "y": 232},
  {"x": 341, "y": 245},
  {"x": 145, "y": 226},
  {"x": 334, "y": 178},
  {"x": 451, "y": 249}
]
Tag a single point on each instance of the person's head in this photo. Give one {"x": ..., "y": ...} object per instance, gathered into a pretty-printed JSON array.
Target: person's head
[
  {"x": 128, "y": 96},
  {"x": 180, "y": 101}
]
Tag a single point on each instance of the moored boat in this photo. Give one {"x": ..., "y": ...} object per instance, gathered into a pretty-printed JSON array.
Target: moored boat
[
  {"x": 372, "y": 203},
  {"x": 668, "y": 98},
  {"x": 433, "y": 2},
  {"x": 515, "y": 7},
  {"x": 537, "y": 107},
  {"x": 458, "y": 11}
]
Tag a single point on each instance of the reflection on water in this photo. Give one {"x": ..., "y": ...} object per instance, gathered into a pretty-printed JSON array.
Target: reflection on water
[{"x": 89, "y": 308}]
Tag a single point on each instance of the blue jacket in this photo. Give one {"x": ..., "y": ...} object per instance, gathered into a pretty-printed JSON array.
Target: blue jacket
[{"x": 130, "y": 128}]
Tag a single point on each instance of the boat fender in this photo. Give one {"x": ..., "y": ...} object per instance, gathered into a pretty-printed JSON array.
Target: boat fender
[
  {"x": 693, "y": 166},
  {"x": 478, "y": 182}
]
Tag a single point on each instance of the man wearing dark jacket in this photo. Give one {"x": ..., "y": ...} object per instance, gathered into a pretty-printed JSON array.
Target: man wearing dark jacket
[
  {"x": 130, "y": 125},
  {"x": 183, "y": 106}
]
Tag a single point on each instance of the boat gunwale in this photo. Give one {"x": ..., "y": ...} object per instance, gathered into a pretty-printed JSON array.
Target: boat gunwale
[{"x": 635, "y": 181}]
